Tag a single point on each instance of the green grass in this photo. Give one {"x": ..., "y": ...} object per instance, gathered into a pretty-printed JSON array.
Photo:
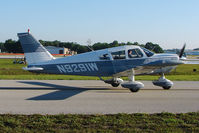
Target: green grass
[
  {"x": 8, "y": 70},
  {"x": 70, "y": 77},
  {"x": 170, "y": 77},
  {"x": 186, "y": 69},
  {"x": 161, "y": 122}
]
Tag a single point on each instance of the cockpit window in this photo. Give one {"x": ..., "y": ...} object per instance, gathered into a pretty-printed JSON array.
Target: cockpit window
[
  {"x": 135, "y": 53},
  {"x": 147, "y": 52},
  {"x": 118, "y": 55},
  {"x": 104, "y": 57}
]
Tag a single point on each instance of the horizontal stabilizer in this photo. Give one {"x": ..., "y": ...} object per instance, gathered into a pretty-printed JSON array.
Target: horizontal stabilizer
[{"x": 33, "y": 68}]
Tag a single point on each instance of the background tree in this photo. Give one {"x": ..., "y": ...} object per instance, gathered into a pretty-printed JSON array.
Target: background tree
[
  {"x": 3, "y": 49},
  {"x": 12, "y": 46},
  {"x": 154, "y": 47},
  {"x": 114, "y": 44},
  {"x": 98, "y": 46}
]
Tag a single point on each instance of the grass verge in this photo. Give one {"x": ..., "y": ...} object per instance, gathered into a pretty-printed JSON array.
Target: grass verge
[
  {"x": 71, "y": 77},
  {"x": 161, "y": 122}
]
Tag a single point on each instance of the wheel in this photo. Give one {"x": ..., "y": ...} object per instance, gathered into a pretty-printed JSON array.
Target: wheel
[
  {"x": 166, "y": 87},
  {"x": 134, "y": 89},
  {"x": 115, "y": 84}
]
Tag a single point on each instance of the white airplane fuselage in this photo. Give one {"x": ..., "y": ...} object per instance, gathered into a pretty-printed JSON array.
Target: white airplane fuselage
[{"x": 92, "y": 63}]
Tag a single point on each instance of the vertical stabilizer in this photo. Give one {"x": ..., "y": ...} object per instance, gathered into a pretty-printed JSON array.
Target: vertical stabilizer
[{"x": 34, "y": 51}]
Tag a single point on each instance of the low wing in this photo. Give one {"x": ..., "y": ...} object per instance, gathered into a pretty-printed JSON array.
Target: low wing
[
  {"x": 32, "y": 68},
  {"x": 146, "y": 70}
]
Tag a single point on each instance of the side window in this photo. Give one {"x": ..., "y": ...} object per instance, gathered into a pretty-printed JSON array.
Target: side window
[
  {"x": 118, "y": 55},
  {"x": 104, "y": 57},
  {"x": 135, "y": 53}
]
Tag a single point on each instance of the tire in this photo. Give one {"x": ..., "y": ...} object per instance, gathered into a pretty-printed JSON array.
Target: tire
[
  {"x": 134, "y": 89},
  {"x": 115, "y": 84},
  {"x": 166, "y": 87}
]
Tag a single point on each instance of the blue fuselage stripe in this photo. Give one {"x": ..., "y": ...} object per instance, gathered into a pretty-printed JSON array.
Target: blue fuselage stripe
[
  {"x": 99, "y": 68},
  {"x": 103, "y": 68}
]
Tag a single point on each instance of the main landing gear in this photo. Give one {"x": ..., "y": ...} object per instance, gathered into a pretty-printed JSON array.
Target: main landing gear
[
  {"x": 135, "y": 86},
  {"x": 132, "y": 85},
  {"x": 163, "y": 82}
]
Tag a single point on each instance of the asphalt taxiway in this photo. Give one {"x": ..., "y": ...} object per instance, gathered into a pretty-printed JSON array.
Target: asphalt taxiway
[{"x": 94, "y": 97}]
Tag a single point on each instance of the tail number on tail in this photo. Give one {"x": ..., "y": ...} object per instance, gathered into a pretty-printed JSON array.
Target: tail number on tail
[{"x": 69, "y": 68}]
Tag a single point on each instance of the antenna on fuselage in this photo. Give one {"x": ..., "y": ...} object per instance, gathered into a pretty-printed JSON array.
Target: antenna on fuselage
[
  {"x": 90, "y": 48},
  {"x": 89, "y": 42}
]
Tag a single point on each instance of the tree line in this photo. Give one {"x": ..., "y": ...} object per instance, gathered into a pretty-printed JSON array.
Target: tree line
[{"x": 12, "y": 46}]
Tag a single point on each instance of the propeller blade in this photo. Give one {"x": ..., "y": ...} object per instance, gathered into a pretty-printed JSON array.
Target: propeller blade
[{"x": 182, "y": 50}]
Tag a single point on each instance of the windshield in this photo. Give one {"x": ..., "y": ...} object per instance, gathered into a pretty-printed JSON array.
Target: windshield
[{"x": 147, "y": 52}]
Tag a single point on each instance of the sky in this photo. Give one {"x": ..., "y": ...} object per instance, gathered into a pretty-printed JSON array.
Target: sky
[{"x": 169, "y": 23}]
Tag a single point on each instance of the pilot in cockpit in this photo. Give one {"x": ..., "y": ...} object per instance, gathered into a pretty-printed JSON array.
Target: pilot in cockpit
[{"x": 132, "y": 54}]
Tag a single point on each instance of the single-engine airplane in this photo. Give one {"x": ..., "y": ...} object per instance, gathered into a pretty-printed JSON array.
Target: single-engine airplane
[{"x": 128, "y": 60}]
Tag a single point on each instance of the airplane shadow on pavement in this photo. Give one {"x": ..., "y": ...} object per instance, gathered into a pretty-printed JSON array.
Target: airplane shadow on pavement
[{"x": 62, "y": 92}]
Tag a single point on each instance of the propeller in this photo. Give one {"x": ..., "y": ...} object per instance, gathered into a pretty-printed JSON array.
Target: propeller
[{"x": 182, "y": 50}]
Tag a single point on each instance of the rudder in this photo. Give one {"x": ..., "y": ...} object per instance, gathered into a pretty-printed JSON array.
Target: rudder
[{"x": 34, "y": 51}]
